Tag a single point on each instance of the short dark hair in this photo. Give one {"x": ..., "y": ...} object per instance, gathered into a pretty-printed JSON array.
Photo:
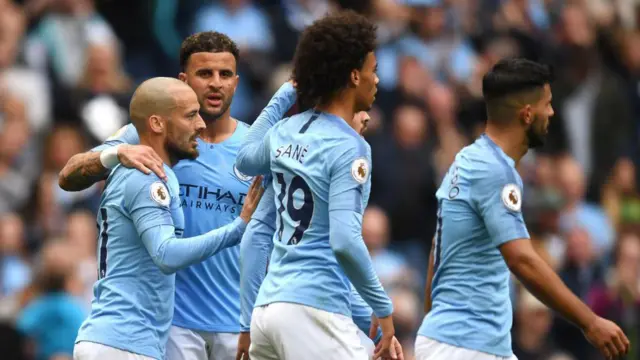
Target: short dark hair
[
  {"x": 328, "y": 51},
  {"x": 207, "y": 41},
  {"x": 513, "y": 77}
]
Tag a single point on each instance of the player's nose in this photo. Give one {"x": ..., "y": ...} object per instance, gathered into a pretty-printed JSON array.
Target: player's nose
[{"x": 200, "y": 125}]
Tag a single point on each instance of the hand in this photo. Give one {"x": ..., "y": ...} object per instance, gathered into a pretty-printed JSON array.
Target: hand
[
  {"x": 244, "y": 341},
  {"x": 142, "y": 158},
  {"x": 607, "y": 337},
  {"x": 386, "y": 348},
  {"x": 398, "y": 347},
  {"x": 252, "y": 200}
]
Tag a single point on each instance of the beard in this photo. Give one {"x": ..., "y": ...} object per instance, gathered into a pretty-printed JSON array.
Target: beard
[
  {"x": 209, "y": 117},
  {"x": 535, "y": 139},
  {"x": 178, "y": 153}
]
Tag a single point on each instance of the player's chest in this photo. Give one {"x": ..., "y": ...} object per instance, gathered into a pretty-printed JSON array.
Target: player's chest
[{"x": 210, "y": 180}]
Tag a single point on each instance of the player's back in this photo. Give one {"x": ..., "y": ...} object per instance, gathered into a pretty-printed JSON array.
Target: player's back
[
  {"x": 479, "y": 209},
  {"x": 133, "y": 300},
  {"x": 303, "y": 268}
]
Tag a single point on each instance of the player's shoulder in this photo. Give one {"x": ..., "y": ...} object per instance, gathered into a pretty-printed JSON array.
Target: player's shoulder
[
  {"x": 242, "y": 127},
  {"x": 482, "y": 159},
  {"x": 128, "y": 131},
  {"x": 135, "y": 181}
]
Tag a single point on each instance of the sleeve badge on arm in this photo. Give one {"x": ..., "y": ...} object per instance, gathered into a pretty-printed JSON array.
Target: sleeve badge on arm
[
  {"x": 512, "y": 197},
  {"x": 160, "y": 194},
  {"x": 360, "y": 170}
]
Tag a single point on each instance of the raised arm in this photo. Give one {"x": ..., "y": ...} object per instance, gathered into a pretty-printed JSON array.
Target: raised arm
[
  {"x": 86, "y": 169},
  {"x": 253, "y": 156},
  {"x": 257, "y": 243},
  {"x": 155, "y": 226}
]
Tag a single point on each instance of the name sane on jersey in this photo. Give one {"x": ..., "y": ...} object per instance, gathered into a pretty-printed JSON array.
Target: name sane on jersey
[{"x": 292, "y": 151}]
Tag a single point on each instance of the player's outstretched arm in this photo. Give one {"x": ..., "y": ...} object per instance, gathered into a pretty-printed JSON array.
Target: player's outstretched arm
[
  {"x": 498, "y": 196},
  {"x": 253, "y": 156},
  {"x": 539, "y": 278},
  {"x": 85, "y": 169},
  {"x": 155, "y": 226}
]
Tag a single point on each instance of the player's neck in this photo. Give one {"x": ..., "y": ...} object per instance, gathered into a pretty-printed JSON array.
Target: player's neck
[
  {"x": 220, "y": 129},
  {"x": 512, "y": 142},
  {"x": 339, "y": 109},
  {"x": 157, "y": 144}
]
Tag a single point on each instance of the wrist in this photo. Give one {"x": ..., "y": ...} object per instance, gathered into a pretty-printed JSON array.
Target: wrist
[
  {"x": 109, "y": 157},
  {"x": 588, "y": 321}
]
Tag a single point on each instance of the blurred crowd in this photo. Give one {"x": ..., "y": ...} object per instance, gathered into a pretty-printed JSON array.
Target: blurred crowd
[{"x": 68, "y": 68}]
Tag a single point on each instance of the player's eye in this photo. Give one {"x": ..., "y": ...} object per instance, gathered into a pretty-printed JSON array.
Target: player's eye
[{"x": 204, "y": 73}]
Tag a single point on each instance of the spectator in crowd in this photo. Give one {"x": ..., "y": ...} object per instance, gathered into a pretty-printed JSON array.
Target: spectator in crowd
[{"x": 53, "y": 317}]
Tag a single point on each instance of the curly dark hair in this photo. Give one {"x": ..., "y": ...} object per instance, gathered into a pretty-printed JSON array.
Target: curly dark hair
[
  {"x": 207, "y": 41},
  {"x": 328, "y": 50}
]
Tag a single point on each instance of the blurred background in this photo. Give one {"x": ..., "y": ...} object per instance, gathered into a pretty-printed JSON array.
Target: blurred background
[{"x": 68, "y": 68}]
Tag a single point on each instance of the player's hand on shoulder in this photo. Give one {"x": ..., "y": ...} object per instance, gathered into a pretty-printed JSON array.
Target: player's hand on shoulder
[
  {"x": 607, "y": 337},
  {"x": 244, "y": 342},
  {"x": 388, "y": 346},
  {"x": 142, "y": 158},
  {"x": 252, "y": 200}
]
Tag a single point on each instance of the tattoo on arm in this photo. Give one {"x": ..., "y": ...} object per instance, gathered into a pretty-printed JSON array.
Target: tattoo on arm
[{"x": 82, "y": 171}]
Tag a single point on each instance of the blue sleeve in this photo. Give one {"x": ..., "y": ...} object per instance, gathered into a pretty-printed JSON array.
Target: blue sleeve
[
  {"x": 171, "y": 254},
  {"x": 125, "y": 135},
  {"x": 498, "y": 198},
  {"x": 253, "y": 156},
  {"x": 257, "y": 242},
  {"x": 146, "y": 211},
  {"x": 255, "y": 250},
  {"x": 349, "y": 172},
  {"x": 361, "y": 314},
  {"x": 154, "y": 224}
]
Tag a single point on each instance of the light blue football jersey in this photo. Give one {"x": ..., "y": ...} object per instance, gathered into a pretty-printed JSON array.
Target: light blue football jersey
[
  {"x": 319, "y": 165},
  {"x": 133, "y": 299},
  {"x": 479, "y": 209},
  {"x": 212, "y": 193},
  {"x": 257, "y": 242}
]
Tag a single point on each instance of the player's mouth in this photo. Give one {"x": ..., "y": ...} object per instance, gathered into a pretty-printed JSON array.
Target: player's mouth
[{"x": 214, "y": 100}]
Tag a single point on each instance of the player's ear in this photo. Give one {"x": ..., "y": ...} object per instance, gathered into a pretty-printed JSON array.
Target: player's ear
[
  {"x": 355, "y": 77},
  {"x": 182, "y": 77},
  {"x": 526, "y": 114},
  {"x": 156, "y": 124}
]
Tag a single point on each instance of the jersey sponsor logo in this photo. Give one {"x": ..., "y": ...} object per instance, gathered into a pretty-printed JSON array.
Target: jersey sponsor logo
[
  {"x": 211, "y": 198},
  {"x": 512, "y": 197},
  {"x": 360, "y": 170},
  {"x": 160, "y": 194},
  {"x": 240, "y": 175}
]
